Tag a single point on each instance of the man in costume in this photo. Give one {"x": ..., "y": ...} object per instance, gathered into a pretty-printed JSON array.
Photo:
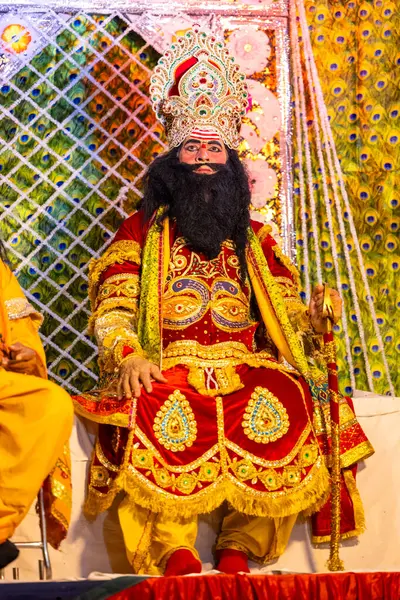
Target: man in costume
[
  {"x": 35, "y": 423},
  {"x": 210, "y": 390}
]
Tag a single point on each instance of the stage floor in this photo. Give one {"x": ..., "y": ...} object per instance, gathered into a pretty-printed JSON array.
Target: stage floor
[{"x": 338, "y": 586}]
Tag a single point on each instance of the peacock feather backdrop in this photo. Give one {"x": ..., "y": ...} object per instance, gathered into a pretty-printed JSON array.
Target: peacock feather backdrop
[
  {"x": 76, "y": 127},
  {"x": 356, "y": 50}
]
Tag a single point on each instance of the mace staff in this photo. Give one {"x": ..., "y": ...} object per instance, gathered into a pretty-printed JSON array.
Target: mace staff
[{"x": 334, "y": 562}]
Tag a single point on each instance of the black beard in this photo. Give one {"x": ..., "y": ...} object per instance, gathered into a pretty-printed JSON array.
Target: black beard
[
  {"x": 203, "y": 206},
  {"x": 209, "y": 208}
]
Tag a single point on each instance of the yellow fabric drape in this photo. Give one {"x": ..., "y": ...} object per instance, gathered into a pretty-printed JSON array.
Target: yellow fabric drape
[
  {"x": 269, "y": 318},
  {"x": 263, "y": 539},
  {"x": 19, "y": 321},
  {"x": 150, "y": 538},
  {"x": 35, "y": 423}
]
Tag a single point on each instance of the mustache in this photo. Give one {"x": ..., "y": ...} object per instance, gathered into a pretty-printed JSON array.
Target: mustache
[{"x": 189, "y": 168}]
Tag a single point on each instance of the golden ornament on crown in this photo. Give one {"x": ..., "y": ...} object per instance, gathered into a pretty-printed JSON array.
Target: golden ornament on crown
[{"x": 196, "y": 85}]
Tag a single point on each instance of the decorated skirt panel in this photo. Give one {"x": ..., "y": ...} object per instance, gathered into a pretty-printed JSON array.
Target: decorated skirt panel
[{"x": 188, "y": 453}]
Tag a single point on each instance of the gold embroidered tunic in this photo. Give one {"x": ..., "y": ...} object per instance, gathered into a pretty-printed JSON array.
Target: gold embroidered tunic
[{"x": 233, "y": 422}]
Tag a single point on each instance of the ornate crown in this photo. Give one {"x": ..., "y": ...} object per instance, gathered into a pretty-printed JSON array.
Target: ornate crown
[{"x": 196, "y": 86}]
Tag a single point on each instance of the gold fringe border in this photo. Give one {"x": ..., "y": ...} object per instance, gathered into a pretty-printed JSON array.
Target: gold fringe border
[{"x": 311, "y": 497}]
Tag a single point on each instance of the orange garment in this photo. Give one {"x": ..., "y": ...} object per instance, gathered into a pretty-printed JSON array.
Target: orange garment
[{"x": 35, "y": 424}]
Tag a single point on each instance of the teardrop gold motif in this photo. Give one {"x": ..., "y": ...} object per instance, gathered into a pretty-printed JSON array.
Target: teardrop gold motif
[
  {"x": 174, "y": 425},
  {"x": 265, "y": 419}
]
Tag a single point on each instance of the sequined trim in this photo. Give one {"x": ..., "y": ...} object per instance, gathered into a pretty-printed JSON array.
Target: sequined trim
[
  {"x": 188, "y": 298},
  {"x": 121, "y": 277},
  {"x": 221, "y": 362},
  {"x": 215, "y": 352},
  {"x": 272, "y": 289},
  {"x": 285, "y": 260},
  {"x": 177, "y": 468},
  {"x": 263, "y": 560},
  {"x": 142, "y": 549},
  {"x": 99, "y": 476},
  {"x": 129, "y": 305},
  {"x": 264, "y": 232},
  {"x": 354, "y": 455},
  {"x": 152, "y": 283},
  {"x": 358, "y": 508},
  {"x": 104, "y": 460},
  {"x": 114, "y": 331},
  {"x": 126, "y": 288},
  {"x": 272, "y": 463},
  {"x": 308, "y": 494},
  {"x": 116, "y": 253},
  {"x": 18, "y": 308}
]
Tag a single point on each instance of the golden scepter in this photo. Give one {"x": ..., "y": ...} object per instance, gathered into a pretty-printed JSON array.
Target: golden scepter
[{"x": 334, "y": 562}]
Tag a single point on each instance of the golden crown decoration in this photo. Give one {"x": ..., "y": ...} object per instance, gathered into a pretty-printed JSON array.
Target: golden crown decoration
[{"x": 197, "y": 85}]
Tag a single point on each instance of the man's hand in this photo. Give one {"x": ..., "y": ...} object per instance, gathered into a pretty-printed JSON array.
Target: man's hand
[
  {"x": 136, "y": 372},
  {"x": 316, "y": 307},
  {"x": 21, "y": 360},
  {"x": 3, "y": 350}
]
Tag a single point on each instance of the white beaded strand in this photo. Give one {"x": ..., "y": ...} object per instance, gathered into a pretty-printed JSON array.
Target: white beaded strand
[
  {"x": 299, "y": 138},
  {"x": 320, "y": 154}
]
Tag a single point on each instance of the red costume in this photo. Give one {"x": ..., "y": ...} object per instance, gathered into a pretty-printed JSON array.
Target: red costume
[
  {"x": 232, "y": 422},
  {"x": 244, "y": 415}
]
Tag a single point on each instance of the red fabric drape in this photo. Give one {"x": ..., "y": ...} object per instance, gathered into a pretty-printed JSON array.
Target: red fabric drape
[{"x": 338, "y": 586}]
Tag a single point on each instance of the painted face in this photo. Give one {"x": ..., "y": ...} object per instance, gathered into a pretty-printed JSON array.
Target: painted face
[{"x": 201, "y": 152}]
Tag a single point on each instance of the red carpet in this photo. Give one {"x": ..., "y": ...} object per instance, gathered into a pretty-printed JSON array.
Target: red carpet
[{"x": 338, "y": 586}]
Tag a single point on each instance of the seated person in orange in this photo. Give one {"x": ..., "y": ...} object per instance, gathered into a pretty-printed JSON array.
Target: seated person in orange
[{"x": 35, "y": 421}]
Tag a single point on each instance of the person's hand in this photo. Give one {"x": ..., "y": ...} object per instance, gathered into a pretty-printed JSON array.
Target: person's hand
[
  {"x": 136, "y": 372},
  {"x": 317, "y": 317},
  {"x": 3, "y": 350},
  {"x": 21, "y": 359}
]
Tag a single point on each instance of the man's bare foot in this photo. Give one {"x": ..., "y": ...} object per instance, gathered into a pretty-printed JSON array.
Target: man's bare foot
[
  {"x": 232, "y": 561},
  {"x": 182, "y": 562}
]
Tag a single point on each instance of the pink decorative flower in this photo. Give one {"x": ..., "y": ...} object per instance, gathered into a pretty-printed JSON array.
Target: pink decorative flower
[
  {"x": 265, "y": 117},
  {"x": 251, "y": 49},
  {"x": 265, "y": 3},
  {"x": 263, "y": 181}
]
